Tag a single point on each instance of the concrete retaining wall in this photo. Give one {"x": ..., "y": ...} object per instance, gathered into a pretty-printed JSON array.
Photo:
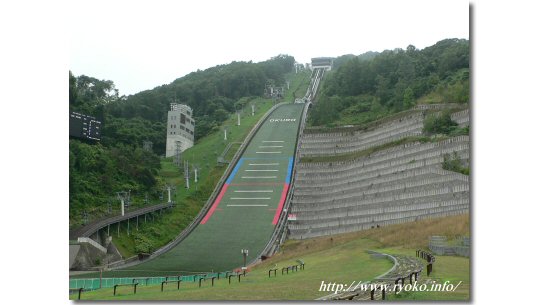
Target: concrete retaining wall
[
  {"x": 439, "y": 246},
  {"x": 396, "y": 185},
  {"x": 93, "y": 243},
  {"x": 326, "y": 144},
  {"x": 461, "y": 117}
]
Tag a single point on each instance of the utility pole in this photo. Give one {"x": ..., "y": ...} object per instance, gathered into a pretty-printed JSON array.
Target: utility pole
[
  {"x": 238, "y": 115},
  {"x": 225, "y": 131},
  {"x": 195, "y": 177},
  {"x": 252, "y": 109},
  {"x": 122, "y": 206},
  {"x": 85, "y": 217},
  {"x": 178, "y": 153},
  {"x": 147, "y": 145},
  {"x": 186, "y": 174},
  {"x": 123, "y": 197},
  {"x": 169, "y": 189}
]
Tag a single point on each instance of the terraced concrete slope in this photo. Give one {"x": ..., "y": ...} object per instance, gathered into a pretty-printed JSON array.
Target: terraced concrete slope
[{"x": 246, "y": 210}]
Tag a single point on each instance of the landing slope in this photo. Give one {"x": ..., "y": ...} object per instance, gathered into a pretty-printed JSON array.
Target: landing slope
[{"x": 247, "y": 208}]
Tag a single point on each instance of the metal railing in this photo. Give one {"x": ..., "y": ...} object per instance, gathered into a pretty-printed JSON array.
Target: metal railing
[
  {"x": 278, "y": 233},
  {"x": 90, "y": 229}
]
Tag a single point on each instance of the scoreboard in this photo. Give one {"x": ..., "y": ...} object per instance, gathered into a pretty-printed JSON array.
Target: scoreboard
[{"x": 84, "y": 126}]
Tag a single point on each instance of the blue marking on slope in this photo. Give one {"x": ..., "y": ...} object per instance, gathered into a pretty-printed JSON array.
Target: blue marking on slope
[
  {"x": 236, "y": 168},
  {"x": 265, "y": 158},
  {"x": 288, "y": 175}
]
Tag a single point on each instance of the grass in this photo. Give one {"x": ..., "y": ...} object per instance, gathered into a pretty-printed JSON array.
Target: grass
[
  {"x": 446, "y": 268},
  {"x": 342, "y": 263},
  {"x": 340, "y": 258},
  {"x": 363, "y": 126},
  {"x": 368, "y": 121},
  {"x": 349, "y": 117},
  {"x": 298, "y": 85}
]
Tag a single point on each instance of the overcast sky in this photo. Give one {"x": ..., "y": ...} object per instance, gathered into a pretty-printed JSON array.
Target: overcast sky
[
  {"x": 35, "y": 54},
  {"x": 141, "y": 45}
]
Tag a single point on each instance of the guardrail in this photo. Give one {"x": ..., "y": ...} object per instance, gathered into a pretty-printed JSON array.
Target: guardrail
[
  {"x": 439, "y": 106},
  {"x": 97, "y": 283},
  {"x": 278, "y": 233},
  {"x": 133, "y": 285},
  {"x": 429, "y": 258},
  {"x": 79, "y": 290},
  {"x": 404, "y": 268},
  {"x": 88, "y": 230},
  {"x": 282, "y": 221},
  {"x": 216, "y": 191}
]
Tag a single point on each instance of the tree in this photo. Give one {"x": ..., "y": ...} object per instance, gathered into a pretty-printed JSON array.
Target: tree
[
  {"x": 221, "y": 115},
  {"x": 439, "y": 123},
  {"x": 397, "y": 78},
  {"x": 409, "y": 98}
]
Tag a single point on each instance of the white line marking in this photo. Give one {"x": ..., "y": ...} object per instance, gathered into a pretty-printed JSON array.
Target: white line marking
[
  {"x": 246, "y": 205},
  {"x": 271, "y": 146},
  {"x": 253, "y": 198},
  {"x": 261, "y": 170},
  {"x": 264, "y": 164},
  {"x": 268, "y": 152},
  {"x": 259, "y": 177},
  {"x": 273, "y": 141},
  {"x": 255, "y": 191}
]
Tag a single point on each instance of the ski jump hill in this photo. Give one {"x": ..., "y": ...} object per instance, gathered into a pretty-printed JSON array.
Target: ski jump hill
[{"x": 248, "y": 206}]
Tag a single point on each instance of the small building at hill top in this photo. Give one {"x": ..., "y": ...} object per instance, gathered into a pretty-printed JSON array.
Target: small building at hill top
[{"x": 179, "y": 129}]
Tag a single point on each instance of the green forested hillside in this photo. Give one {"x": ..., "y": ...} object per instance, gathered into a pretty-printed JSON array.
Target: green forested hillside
[
  {"x": 360, "y": 89},
  {"x": 118, "y": 162},
  {"x": 367, "y": 87}
]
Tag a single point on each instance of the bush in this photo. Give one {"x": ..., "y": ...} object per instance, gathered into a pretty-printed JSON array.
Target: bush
[
  {"x": 143, "y": 243},
  {"x": 454, "y": 164},
  {"x": 459, "y": 131},
  {"x": 439, "y": 124}
]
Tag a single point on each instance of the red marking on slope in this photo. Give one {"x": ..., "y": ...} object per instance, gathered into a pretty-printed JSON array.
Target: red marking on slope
[
  {"x": 281, "y": 203},
  {"x": 215, "y": 204}
]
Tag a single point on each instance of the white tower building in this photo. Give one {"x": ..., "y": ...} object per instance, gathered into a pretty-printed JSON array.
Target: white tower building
[{"x": 180, "y": 128}]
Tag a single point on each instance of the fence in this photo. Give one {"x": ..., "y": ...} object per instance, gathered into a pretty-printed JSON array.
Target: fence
[
  {"x": 404, "y": 269},
  {"x": 280, "y": 231},
  {"x": 95, "y": 283},
  {"x": 439, "y": 245}
]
